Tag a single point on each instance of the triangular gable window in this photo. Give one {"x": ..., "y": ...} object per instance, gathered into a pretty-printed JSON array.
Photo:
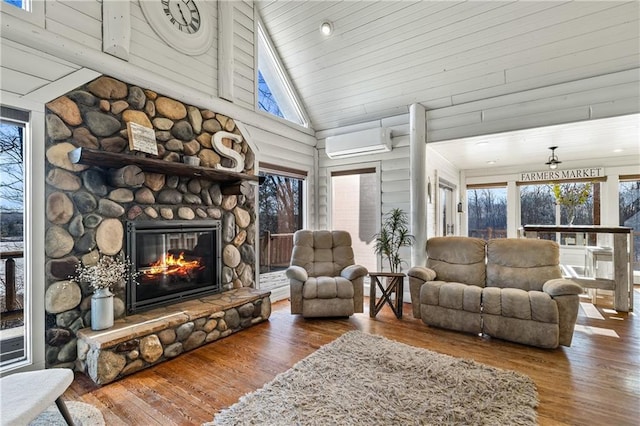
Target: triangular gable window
[
  {"x": 18, "y": 3},
  {"x": 275, "y": 93}
]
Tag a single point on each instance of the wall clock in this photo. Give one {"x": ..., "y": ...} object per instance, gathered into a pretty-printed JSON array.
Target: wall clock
[{"x": 185, "y": 25}]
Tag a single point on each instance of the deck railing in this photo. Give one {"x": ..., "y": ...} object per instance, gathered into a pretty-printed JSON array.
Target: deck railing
[{"x": 275, "y": 250}]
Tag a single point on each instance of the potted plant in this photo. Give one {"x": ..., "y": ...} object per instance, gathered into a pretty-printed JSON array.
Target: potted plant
[
  {"x": 107, "y": 272},
  {"x": 393, "y": 235},
  {"x": 571, "y": 196}
]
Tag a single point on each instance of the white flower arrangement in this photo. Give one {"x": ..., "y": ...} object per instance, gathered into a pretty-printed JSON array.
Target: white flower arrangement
[{"x": 106, "y": 273}]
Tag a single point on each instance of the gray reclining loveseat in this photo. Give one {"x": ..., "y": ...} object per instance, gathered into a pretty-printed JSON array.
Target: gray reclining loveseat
[{"x": 509, "y": 288}]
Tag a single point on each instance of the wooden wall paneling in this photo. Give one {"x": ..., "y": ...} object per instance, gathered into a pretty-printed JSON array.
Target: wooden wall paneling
[
  {"x": 470, "y": 103},
  {"x": 243, "y": 88},
  {"x": 561, "y": 102},
  {"x": 244, "y": 58},
  {"x": 33, "y": 62},
  {"x": 92, "y": 8},
  {"x": 226, "y": 52},
  {"x": 244, "y": 54},
  {"x": 548, "y": 105},
  {"x": 390, "y": 186},
  {"x": 601, "y": 55},
  {"x": 19, "y": 83},
  {"x": 615, "y": 107},
  {"x": 66, "y": 20}
]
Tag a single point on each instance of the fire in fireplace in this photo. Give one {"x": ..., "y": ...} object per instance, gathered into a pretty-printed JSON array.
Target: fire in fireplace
[{"x": 175, "y": 260}]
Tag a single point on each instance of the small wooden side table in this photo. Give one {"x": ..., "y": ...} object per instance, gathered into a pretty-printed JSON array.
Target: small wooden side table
[{"x": 394, "y": 284}]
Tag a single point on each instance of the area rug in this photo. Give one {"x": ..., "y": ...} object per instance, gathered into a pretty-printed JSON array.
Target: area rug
[
  {"x": 370, "y": 380},
  {"x": 83, "y": 414}
]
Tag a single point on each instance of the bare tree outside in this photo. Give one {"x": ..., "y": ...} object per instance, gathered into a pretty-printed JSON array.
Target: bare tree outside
[
  {"x": 266, "y": 101},
  {"x": 11, "y": 168},
  {"x": 280, "y": 212},
  {"x": 11, "y": 214},
  {"x": 629, "y": 200},
  {"x": 279, "y": 204},
  {"x": 487, "y": 209}
]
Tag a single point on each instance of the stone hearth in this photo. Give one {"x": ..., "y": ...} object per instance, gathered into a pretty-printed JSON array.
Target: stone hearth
[{"x": 142, "y": 340}]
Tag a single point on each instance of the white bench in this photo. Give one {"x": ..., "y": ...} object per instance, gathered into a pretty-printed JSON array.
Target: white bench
[{"x": 26, "y": 395}]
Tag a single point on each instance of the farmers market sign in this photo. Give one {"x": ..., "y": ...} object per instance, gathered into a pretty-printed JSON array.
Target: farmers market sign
[{"x": 555, "y": 175}]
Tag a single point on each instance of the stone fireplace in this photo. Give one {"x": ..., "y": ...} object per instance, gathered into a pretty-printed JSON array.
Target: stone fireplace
[{"x": 102, "y": 198}]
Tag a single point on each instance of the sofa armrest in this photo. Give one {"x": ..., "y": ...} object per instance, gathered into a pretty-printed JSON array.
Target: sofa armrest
[
  {"x": 423, "y": 273},
  {"x": 418, "y": 275},
  {"x": 561, "y": 287},
  {"x": 353, "y": 272},
  {"x": 297, "y": 273}
]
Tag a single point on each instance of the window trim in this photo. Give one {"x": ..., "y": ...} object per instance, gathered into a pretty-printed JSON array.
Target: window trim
[{"x": 34, "y": 220}]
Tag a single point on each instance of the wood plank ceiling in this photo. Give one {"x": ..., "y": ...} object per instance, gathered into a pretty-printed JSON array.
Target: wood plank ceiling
[{"x": 385, "y": 55}]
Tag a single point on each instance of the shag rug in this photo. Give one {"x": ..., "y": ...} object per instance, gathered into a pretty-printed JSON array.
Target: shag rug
[
  {"x": 83, "y": 414},
  {"x": 363, "y": 379}
]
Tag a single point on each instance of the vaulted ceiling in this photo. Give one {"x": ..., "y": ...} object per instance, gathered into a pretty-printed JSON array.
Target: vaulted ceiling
[{"x": 384, "y": 56}]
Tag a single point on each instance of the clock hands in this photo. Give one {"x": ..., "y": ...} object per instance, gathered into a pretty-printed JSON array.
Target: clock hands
[{"x": 182, "y": 14}]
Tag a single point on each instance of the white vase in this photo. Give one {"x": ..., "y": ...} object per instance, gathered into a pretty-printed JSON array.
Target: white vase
[{"x": 101, "y": 309}]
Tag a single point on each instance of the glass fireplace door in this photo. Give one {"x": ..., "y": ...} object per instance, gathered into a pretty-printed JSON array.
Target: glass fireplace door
[{"x": 172, "y": 262}]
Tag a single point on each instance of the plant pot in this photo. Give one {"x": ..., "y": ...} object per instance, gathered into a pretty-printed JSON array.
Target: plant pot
[{"x": 101, "y": 309}]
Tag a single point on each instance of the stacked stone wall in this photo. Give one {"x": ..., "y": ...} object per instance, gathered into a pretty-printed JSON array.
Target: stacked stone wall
[{"x": 86, "y": 208}]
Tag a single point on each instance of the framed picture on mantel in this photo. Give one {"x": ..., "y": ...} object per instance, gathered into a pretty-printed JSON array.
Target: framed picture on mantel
[{"x": 142, "y": 138}]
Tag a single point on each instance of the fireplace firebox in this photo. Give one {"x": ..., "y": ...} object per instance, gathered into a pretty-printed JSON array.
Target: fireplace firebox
[{"x": 174, "y": 261}]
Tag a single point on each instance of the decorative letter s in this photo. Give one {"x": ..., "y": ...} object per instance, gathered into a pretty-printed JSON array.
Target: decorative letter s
[{"x": 236, "y": 157}]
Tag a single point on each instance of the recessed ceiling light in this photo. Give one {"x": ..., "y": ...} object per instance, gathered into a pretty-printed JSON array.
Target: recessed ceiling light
[
  {"x": 491, "y": 162},
  {"x": 618, "y": 150},
  {"x": 482, "y": 143},
  {"x": 326, "y": 28}
]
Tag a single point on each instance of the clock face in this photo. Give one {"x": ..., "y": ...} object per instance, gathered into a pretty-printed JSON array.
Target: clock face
[
  {"x": 185, "y": 25},
  {"x": 183, "y": 14}
]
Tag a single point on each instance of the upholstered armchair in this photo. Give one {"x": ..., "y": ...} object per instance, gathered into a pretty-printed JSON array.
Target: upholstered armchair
[{"x": 324, "y": 279}]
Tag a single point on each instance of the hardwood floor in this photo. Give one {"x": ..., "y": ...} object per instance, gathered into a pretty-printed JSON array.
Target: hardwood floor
[{"x": 594, "y": 382}]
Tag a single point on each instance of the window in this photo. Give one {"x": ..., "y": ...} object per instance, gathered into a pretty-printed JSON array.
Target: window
[
  {"x": 17, "y": 3},
  {"x": 629, "y": 200},
  {"x": 275, "y": 94},
  {"x": 356, "y": 209},
  {"x": 280, "y": 209},
  {"x": 487, "y": 211},
  {"x": 12, "y": 246},
  {"x": 538, "y": 206}
]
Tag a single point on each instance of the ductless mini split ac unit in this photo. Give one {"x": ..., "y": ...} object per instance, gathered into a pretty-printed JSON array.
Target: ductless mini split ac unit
[{"x": 368, "y": 141}]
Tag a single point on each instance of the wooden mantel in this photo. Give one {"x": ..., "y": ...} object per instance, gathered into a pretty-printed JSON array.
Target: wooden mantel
[{"x": 94, "y": 157}]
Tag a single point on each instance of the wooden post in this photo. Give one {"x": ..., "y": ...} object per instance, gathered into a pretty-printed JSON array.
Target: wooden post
[
  {"x": 418, "y": 183},
  {"x": 621, "y": 264},
  {"x": 10, "y": 283}
]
